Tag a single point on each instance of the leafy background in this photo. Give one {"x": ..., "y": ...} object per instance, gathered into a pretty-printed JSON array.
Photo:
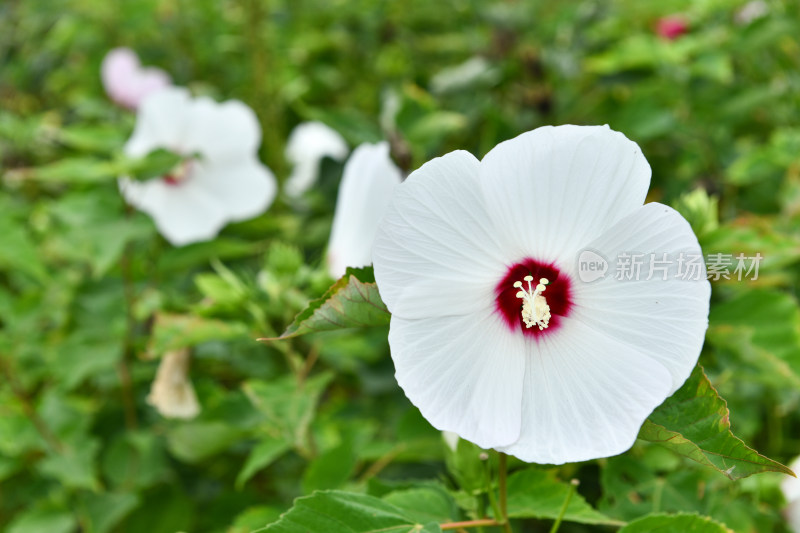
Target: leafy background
[{"x": 91, "y": 297}]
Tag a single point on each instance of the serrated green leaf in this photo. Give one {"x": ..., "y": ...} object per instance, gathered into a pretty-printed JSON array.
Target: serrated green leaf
[
  {"x": 351, "y": 302},
  {"x": 262, "y": 455},
  {"x": 345, "y": 512},
  {"x": 537, "y": 494},
  {"x": 694, "y": 422},
  {"x": 685, "y": 523}
]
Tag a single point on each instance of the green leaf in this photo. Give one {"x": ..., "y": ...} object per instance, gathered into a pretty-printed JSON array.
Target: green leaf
[
  {"x": 425, "y": 504},
  {"x": 106, "y": 510},
  {"x": 685, "y": 523},
  {"x": 345, "y": 512},
  {"x": 262, "y": 455},
  {"x": 330, "y": 469},
  {"x": 763, "y": 328},
  {"x": 103, "y": 139},
  {"x": 74, "y": 466},
  {"x": 254, "y": 518},
  {"x": 194, "y": 441},
  {"x": 466, "y": 466},
  {"x": 694, "y": 422},
  {"x": 38, "y": 520},
  {"x": 18, "y": 252},
  {"x": 287, "y": 408},
  {"x": 351, "y": 302},
  {"x": 536, "y": 493},
  {"x": 75, "y": 170},
  {"x": 172, "y": 332}
]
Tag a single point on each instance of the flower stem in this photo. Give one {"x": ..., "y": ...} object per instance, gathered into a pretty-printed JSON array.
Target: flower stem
[
  {"x": 469, "y": 523},
  {"x": 572, "y": 486}
]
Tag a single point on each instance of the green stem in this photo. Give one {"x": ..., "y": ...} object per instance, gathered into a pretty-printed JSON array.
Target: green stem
[
  {"x": 469, "y": 523},
  {"x": 572, "y": 486}
]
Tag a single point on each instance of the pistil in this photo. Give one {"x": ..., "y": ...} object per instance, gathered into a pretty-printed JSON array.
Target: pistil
[{"x": 535, "y": 311}]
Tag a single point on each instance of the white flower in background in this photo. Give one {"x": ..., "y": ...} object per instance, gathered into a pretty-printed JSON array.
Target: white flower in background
[
  {"x": 308, "y": 144},
  {"x": 790, "y": 486},
  {"x": 492, "y": 334},
  {"x": 463, "y": 76},
  {"x": 368, "y": 182},
  {"x": 220, "y": 178},
  {"x": 751, "y": 11},
  {"x": 171, "y": 393},
  {"x": 125, "y": 80}
]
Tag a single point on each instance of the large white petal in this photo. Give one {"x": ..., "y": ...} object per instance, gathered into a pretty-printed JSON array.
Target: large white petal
[
  {"x": 586, "y": 394},
  {"x": 464, "y": 373},
  {"x": 183, "y": 213},
  {"x": 221, "y": 132},
  {"x": 368, "y": 182},
  {"x": 161, "y": 122},
  {"x": 665, "y": 320},
  {"x": 553, "y": 189},
  {"x": 435, "y": 251},
  {"x": 625, "y": 347},
  {"x": 243, "y": 189},
  {"x": 308, "y": 143}
]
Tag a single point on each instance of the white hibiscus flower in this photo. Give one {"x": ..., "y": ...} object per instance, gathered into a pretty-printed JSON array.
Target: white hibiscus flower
[
  {"x": 308, "y": 144},
  {"x": 172, "y": 393},
  {"x": 220, "y": 179},
  {"x": 494, "y": 336},
  {"x": 368, "y": 182},
  {"x": 125, "y": 80}
]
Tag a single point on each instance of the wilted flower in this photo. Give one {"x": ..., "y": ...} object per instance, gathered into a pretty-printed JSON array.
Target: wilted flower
[
  {"x": 125, "y": 80},
  {"x": 492, "y": 334},
  {"x": 172, "y": 393},
  {"x": 308, "y": 144},
  {"x": 367, "y": 184},
  {"x": 219, "y": 179},
  {"x": 671, "y": 27}
]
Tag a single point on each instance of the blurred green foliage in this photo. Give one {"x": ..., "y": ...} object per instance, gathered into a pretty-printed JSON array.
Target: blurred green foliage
[{"x": 91, "y": 296}]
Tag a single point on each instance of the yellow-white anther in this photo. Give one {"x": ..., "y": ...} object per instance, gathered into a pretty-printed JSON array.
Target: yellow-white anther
[{"x": 535, "y": 311}]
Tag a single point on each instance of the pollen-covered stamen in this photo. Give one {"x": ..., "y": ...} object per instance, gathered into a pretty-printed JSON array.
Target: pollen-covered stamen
[{"x": 535, "y": 311}]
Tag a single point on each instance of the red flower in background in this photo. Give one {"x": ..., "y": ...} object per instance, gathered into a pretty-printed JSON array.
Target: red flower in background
[{"x": 672, "y": 27}]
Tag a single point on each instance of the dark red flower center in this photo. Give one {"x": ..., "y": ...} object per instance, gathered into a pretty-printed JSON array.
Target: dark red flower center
[{"x": 557, "y": 294}]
